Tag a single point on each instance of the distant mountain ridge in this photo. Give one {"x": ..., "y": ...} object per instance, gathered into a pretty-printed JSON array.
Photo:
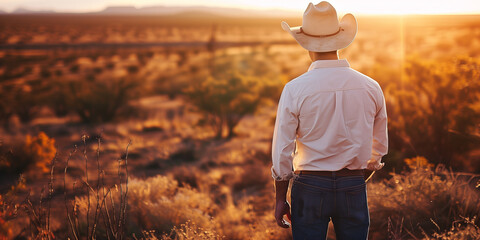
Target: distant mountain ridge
[
  {"x": 172, "y": 10},
  {"x": 22, "y": 10},
  {"x": 168, "y": 10}
]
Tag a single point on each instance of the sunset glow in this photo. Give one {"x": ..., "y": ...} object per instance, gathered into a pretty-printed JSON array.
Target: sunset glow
[
  {"x": 157, "y": 119},
  {"x": 358, "y": 7}
]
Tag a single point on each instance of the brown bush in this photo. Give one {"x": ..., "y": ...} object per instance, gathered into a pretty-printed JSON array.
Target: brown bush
[
  {"x": 420, "y": 203},
  {"x": 35, "y": 154},
  {"x": 95, "y": 101},
  {"x": 435, "y": 111}
]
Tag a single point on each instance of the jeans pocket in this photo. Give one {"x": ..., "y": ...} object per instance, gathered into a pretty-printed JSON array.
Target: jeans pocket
[
  {"x": 307, "y": 204},
  {"x": 357, "y": 206}
]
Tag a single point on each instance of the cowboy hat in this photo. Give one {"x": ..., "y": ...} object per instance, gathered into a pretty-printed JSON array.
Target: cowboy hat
[{"x": 321, "y": 31}]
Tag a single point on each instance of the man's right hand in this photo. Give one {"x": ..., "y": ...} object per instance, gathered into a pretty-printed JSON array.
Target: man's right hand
[
  {"x": 282, "y": 208},
  {"x": 375, "y": 166}
]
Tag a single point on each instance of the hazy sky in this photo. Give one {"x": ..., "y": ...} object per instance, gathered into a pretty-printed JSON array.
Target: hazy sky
[{"x": 353, "y": 6}]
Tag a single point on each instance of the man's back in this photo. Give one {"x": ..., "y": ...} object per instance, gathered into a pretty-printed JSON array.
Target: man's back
[{"x": 336, "y": 108}]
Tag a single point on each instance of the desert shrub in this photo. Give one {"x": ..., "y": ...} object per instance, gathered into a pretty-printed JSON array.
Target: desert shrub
[
  {"x": 226, "y": 100},
  {"x": 418, "y": 163},
  {"x": 95, "y": 101},
  {"x": 169, "y": 211},
  {"x": 161, "y": 210},
  {"x": 36, "y": 152},
  {"x": 190, "y": 231},
  {"x": 9, "y": 206},
  {"x": 132, "y": 69},
  {"x": 60, "y": 100},
  {"x": 241, "y": 193},
  {"x": 21, "y": 101},
  {"x": 42, "y": 149},
  {"x": 159, "y": 204},
  {"x": 420, "y": 202},
  {"x": 435, "y": 111}
]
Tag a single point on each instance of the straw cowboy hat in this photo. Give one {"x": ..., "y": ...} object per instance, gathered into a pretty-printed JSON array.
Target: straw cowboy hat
[{"x": 321, "y": 31}]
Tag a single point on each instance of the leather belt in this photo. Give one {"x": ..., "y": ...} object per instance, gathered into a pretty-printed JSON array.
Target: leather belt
[{"x": 342, "y": 172}]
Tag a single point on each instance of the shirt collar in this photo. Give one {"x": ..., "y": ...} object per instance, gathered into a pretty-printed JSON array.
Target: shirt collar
[{"x": 329, "y": 64}]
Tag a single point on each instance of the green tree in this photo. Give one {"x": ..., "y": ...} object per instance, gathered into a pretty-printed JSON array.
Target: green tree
[
  {"x": 233, "y": 87},
  {"x": 226, "y": 100}
]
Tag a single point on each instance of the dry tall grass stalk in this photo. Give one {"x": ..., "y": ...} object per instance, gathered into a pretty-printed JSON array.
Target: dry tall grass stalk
[
  {"x": 114, "y": 218},
  {"x": 40, "y": 216},
  {"x": 73, "y": 226}
]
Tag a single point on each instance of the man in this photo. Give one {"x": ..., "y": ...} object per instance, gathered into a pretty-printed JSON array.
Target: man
[{"x": 331, "y": 125}]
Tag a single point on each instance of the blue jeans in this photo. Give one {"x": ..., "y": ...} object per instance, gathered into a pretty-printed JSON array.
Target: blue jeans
[{"x": 317, "y": 199}]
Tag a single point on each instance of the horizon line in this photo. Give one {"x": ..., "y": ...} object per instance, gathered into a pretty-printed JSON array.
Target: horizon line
[{"x": 101, "y": 9}]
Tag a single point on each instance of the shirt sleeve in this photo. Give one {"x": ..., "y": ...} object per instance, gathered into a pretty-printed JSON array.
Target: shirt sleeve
[
  {"x": 284, "y": 136},
  {"x": 380, "y": 134}
]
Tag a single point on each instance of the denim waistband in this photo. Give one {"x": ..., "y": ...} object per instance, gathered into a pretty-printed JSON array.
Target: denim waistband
[{"x": 340, "y": 173}]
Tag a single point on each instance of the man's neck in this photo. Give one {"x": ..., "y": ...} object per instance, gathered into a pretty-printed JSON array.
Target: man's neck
[{"x": 323, "y": 56}]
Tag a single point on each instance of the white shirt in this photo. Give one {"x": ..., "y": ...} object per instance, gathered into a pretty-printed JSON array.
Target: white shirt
[{"x": 329, "y": 118}]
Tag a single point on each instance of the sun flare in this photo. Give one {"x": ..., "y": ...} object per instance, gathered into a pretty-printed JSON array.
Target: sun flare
[{"x": 382, "y": 7}]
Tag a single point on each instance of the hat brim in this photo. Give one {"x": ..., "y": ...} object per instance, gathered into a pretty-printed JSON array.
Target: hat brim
[{"x": 326, "y": 44}]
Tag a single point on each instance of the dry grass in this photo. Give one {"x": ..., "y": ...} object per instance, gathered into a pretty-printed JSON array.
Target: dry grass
[
  {"x": 420, "y": 203},
  {"x": 466, "y": 228}
]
